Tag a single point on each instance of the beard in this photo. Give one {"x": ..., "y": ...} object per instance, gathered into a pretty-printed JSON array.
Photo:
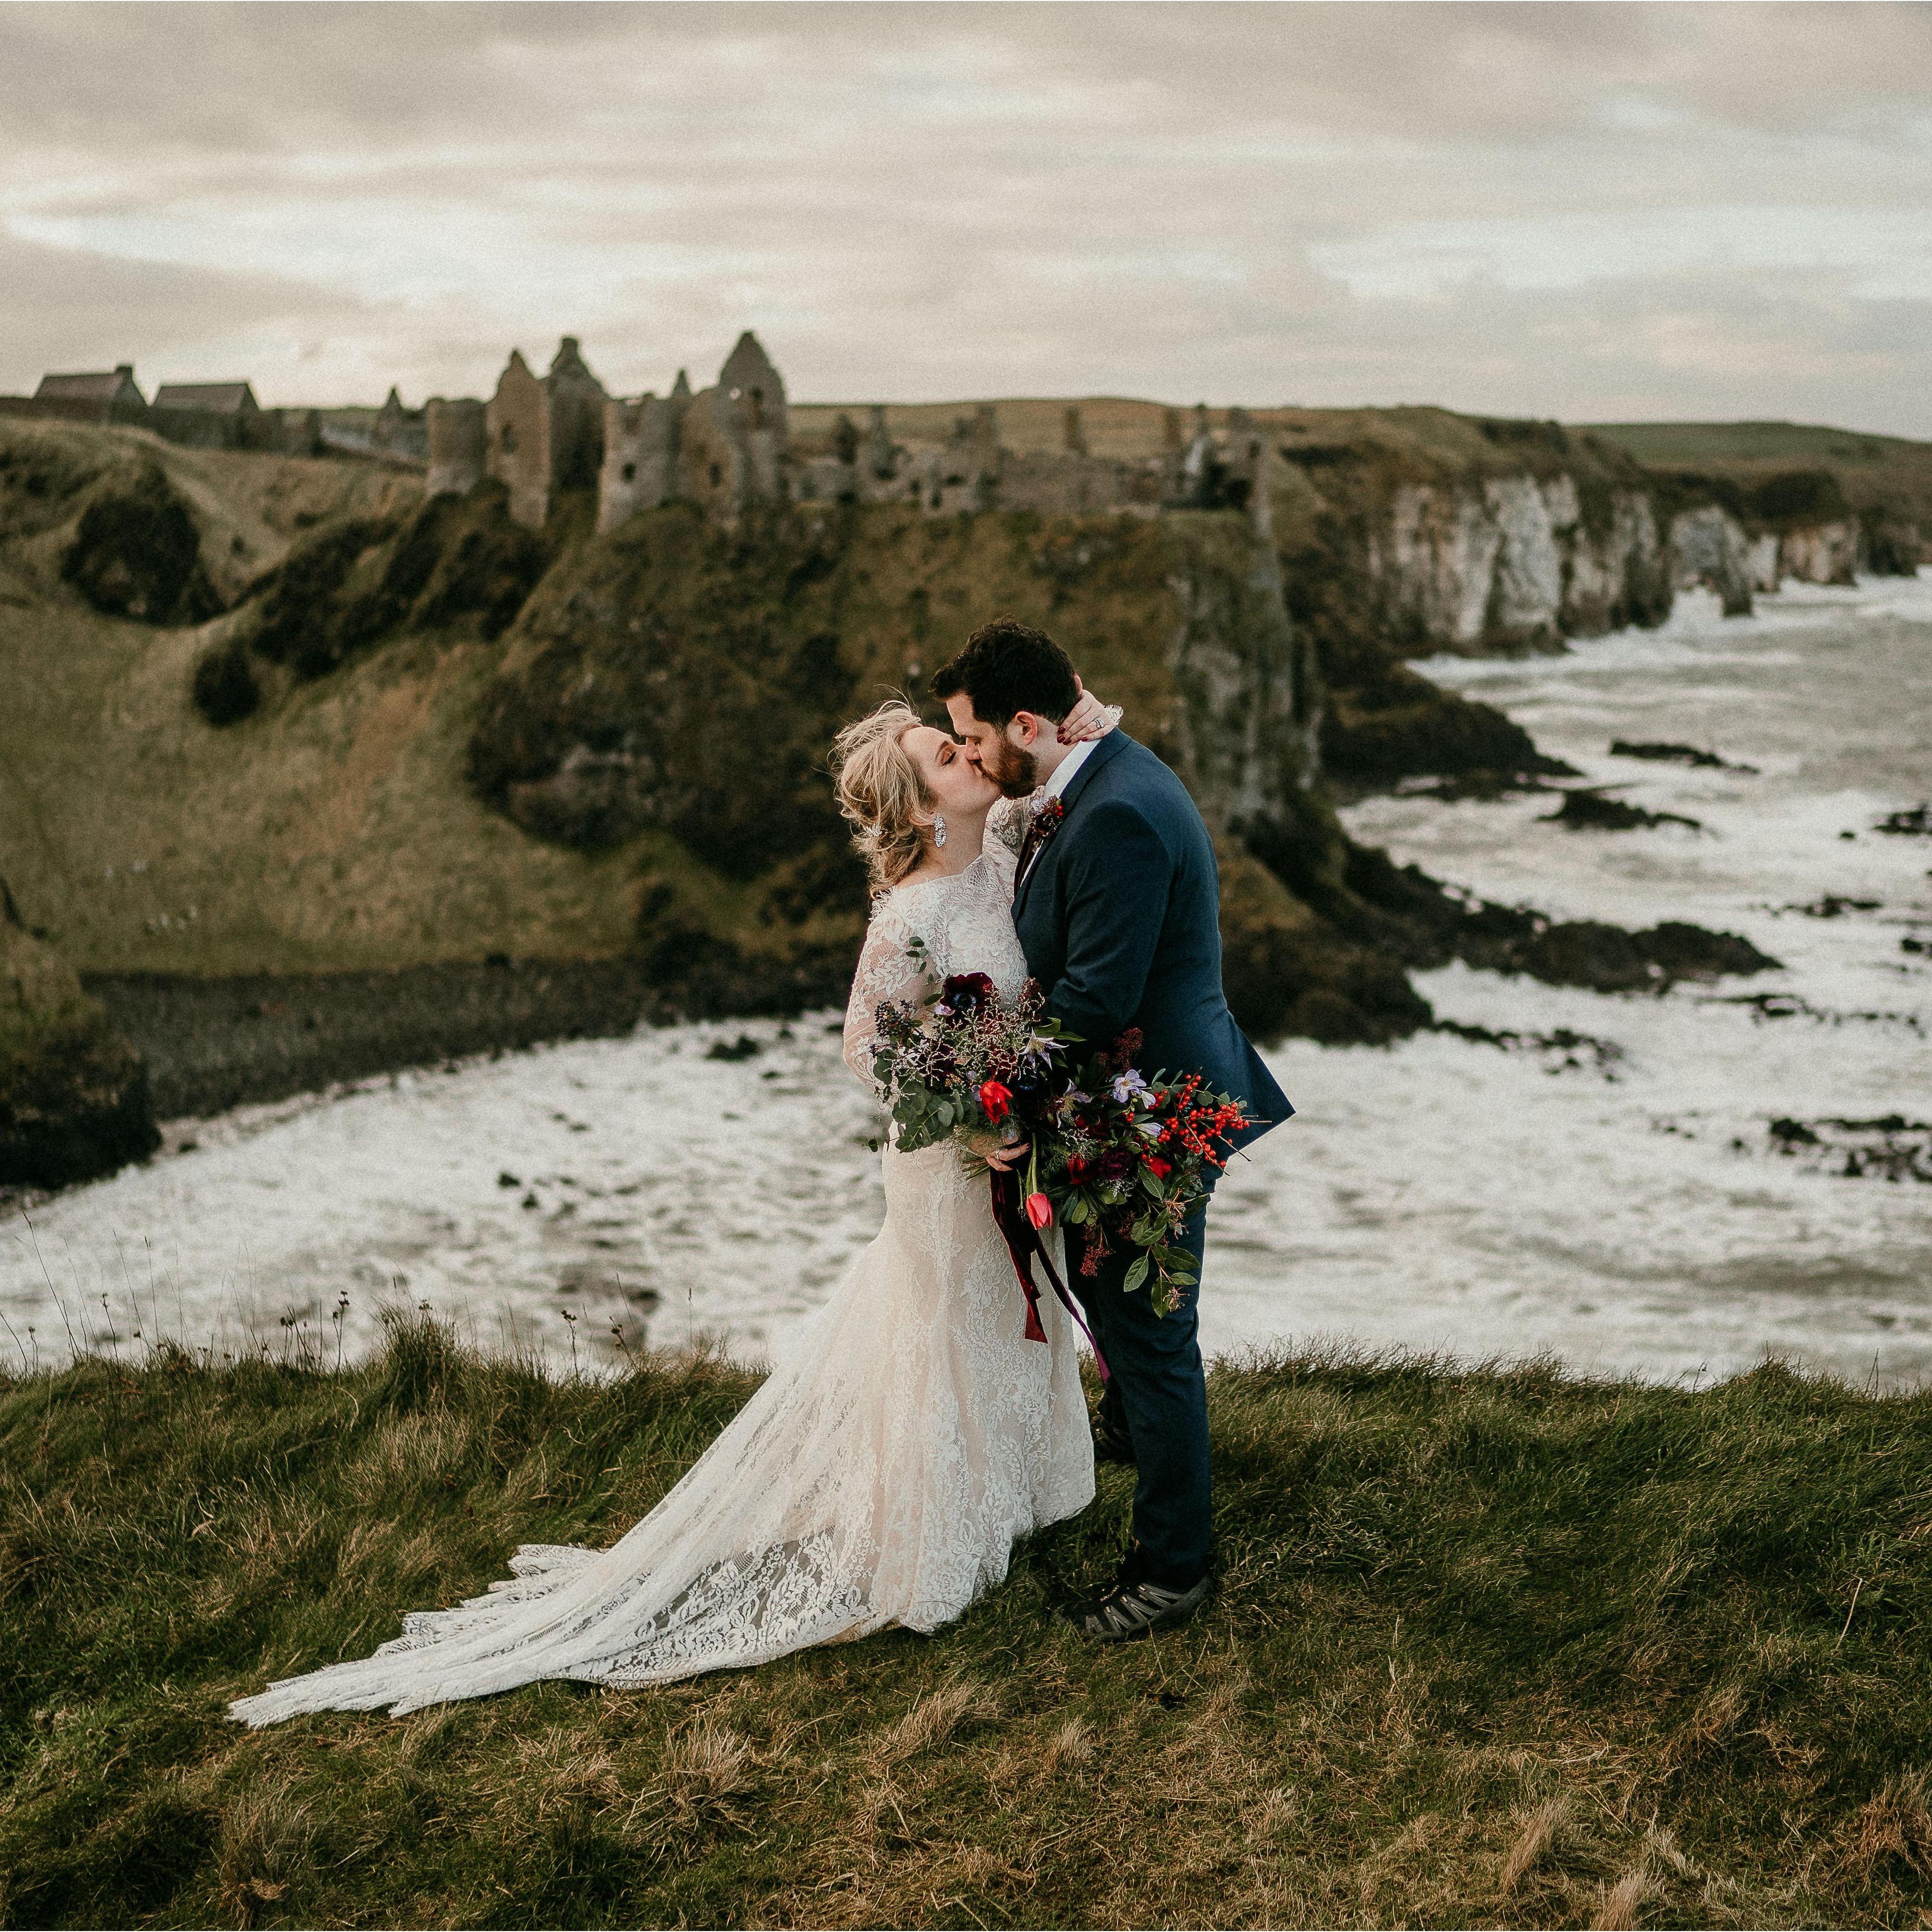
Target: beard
[{"x": 1015, "y": 772}]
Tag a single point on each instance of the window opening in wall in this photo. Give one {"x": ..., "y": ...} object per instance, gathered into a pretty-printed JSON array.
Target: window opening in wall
[
  {"x": 630, "y": 472},
  {"x": 509, "y": 437},
  {"x": 757, "y": 408},
  {"x": 717, "y": 476}
]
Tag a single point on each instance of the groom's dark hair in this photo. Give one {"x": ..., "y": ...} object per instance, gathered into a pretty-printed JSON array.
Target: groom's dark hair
[{"x": 1008, "y": 667}]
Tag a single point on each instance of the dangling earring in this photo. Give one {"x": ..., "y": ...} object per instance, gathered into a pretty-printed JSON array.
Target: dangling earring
[{"x": 939, "y": 828}]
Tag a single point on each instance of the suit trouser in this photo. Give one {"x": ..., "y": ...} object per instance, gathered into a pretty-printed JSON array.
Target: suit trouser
[{"x": 1158, "y": 1395}]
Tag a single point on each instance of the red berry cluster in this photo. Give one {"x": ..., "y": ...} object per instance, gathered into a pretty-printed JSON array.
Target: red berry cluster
[{"x": 1196, "y": 1128}]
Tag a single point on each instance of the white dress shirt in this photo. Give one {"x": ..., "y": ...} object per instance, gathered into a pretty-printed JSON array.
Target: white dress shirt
[{"x": 1064, "y": 772}]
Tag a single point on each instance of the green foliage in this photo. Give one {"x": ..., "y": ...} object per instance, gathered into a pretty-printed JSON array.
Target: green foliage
[
  {"x": 1491, "y": 1646},
  {"x": 136, "y": 552},
  {"x": 454, "y": 564}
]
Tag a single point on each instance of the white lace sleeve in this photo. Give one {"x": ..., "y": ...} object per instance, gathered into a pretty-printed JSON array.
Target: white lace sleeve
[
  {"x": 1007, "y": 822},
  {"x": 888, "y": 969}
]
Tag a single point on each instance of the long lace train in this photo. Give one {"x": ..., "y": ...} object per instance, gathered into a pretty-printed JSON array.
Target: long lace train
[{"x": 879, "y": 1476}]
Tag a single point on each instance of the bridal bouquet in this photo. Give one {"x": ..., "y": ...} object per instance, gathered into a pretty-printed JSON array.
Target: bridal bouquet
[
  {"x": 968, "y": 1065},
  {"x": 1124, "y": 1156},
  {"x": 1129, "y": 1158}
]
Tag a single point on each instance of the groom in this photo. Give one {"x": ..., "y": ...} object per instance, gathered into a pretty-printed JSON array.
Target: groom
[{"x": 1117, "y": 903}]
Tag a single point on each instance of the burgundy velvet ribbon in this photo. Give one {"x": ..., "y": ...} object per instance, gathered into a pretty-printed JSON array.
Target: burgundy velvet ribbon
[{"x": 1024, "y": 1243}]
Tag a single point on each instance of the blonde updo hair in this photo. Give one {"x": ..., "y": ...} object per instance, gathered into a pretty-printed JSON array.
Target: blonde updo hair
[{"x": 880, "y": 791}]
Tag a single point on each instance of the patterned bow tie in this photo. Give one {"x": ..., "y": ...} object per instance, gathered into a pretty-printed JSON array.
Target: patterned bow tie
[{"x": 1047, "y": 818}]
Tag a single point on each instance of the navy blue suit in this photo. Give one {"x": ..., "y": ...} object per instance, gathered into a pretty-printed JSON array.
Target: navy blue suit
[{"x": 1119, "y": 917}]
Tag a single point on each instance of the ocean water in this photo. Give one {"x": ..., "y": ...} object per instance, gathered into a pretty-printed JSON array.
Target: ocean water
[{"x": 1605, "y": 1188}]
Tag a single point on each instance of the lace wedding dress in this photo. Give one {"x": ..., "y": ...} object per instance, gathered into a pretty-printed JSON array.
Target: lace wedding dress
[{"x": 879, "y": 1476}]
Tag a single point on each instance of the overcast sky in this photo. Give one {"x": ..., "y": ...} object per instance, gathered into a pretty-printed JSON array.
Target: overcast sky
[{"x": 1588, "y": 212}]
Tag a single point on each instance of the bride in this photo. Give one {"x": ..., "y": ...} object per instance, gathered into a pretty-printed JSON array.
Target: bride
[{"x": 908, "y": 1435}]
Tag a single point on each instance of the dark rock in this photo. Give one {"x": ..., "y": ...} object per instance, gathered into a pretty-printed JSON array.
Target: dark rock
[
  {"x": 1687, "y": 952},
  {"x": 226, "y": 690},
  {"x": 1586, "y": 808},
  {"x": 1426, "y": 925},
  {"x": 1286, "y": 970},
  {"x": 1831, "y": 906},
  {"x": 74, "y": 1100},
  {"x": 1399, "y": 724},
  {"x": 1916, "y": 822},
  {"x": 136, "y": 552},
  {"x": 1681, "y": 754},
  {"x": 1890, "y": 1147},
  {"x": 743, "y": 1047}
]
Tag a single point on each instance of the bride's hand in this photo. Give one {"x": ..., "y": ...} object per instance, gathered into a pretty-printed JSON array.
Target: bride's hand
[
  {"x": 1004, "y": 1155},
  {"x": 1089, "y": 717}
]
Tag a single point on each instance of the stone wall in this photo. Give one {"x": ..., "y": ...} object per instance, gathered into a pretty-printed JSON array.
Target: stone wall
[
  {"x": 458, "y": 438},
  {"x": 640, "y": 446}
]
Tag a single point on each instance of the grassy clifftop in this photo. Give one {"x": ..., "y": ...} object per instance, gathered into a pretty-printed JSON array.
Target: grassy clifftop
[
  {"x": 1491, "y": 1647},
  {"x": 1874, "y": 471}
]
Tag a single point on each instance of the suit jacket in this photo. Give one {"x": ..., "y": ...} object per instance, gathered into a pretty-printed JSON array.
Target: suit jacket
[{"x": 1119, "y": 917}]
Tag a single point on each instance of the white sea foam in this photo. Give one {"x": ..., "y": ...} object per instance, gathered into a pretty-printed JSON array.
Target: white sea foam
[{"x": 1629, "y": 1214}]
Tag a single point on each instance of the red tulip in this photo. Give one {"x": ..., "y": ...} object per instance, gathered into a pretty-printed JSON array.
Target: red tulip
[
  {"x": 998, "y": 1100},
  {"x": 1039, "y": 1211}
]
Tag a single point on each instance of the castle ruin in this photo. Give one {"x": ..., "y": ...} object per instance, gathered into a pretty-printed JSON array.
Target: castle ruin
[{"x": 728, "y": 447}]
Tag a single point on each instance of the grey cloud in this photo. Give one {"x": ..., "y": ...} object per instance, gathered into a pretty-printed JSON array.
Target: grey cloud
[{"x": 924, "y": 201}]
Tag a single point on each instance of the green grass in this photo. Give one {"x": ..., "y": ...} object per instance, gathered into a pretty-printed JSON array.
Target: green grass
[
  {"x": 1492, "y": 1647},
  {"x": 1887, "y": 473}
]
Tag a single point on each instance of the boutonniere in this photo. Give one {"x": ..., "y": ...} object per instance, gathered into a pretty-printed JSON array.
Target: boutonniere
[{"x": 1047, "y": 816}]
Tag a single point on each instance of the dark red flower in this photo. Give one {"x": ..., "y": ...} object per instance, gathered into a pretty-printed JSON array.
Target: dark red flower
[
  {"x": 964, "y": 991},
  {"x": 1160, "y": 1169}
]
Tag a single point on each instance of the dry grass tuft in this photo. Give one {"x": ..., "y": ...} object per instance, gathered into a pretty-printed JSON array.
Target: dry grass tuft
[
  {"x": 1893, "y": 1827},
  {"x": 1623, "y": 1902},
  {"x": 1070, "y": 1747},
  {"x": 933, "y": 1720},
  {"x": 266, "y": 1842},
  {"x": 1541, "y": 1830},
  {"x": 708, "y": 1770}
]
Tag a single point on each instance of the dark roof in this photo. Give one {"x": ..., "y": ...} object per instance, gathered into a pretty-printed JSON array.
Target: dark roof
[
  {"x": 224, "y": 398},
  {"x": 101, "y": 386}
]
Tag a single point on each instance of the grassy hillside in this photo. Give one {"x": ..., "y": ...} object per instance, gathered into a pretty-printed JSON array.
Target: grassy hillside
[
  {"x": 1491, "y": 1647},
  {"x": 336, "y": 832},
  {"x": 1876, "y": 472}
]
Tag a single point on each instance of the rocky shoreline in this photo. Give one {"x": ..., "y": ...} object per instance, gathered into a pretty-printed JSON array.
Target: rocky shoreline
[{"x": 211, "y": 1045}]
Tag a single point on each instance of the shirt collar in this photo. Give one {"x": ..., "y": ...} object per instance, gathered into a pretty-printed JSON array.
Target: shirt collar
[{"x": 1065, "y": 772}]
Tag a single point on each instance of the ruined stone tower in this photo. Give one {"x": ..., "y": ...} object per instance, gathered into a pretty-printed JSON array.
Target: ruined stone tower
[
  {"x": 458, "y": 445},
  {"x": 545, "y": 433},
  {"x": 723, "y": 449}
]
